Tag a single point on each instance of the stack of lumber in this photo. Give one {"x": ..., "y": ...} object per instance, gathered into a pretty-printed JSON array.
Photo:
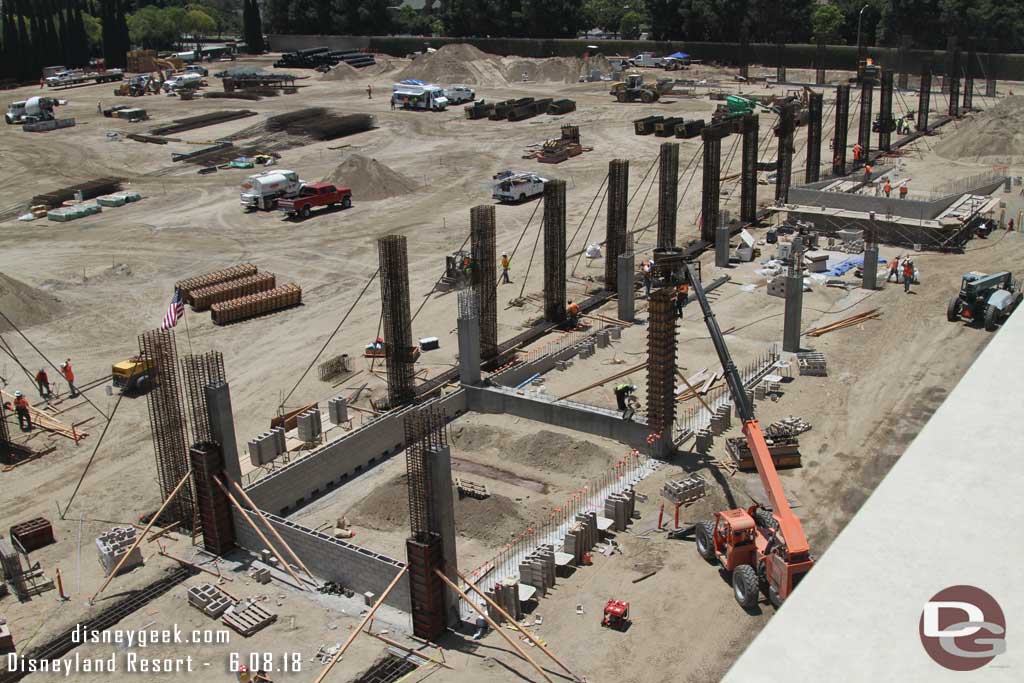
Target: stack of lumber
[
  {"x": 873, "y": 314},
  {"x": 43, "y": 421}
]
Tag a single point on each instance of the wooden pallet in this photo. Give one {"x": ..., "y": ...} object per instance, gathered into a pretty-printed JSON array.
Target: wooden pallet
[
  {"x": 249, "y": 620},
  {"x": 783, "y": 455}
]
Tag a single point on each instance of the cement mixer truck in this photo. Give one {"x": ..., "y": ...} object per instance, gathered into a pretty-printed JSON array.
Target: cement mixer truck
[
  {"x": 32, "y": 110},
  {"x": 261, "y": 191}
]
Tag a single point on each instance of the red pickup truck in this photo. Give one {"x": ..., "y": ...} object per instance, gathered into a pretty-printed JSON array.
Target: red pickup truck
[{"x": 313, "y": 195}]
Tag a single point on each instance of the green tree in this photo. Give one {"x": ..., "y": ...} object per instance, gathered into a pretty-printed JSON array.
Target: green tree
[
  {"x": 629, "y": 25},
  {"x": 827, "y": 21},
  {"x": 252, "y": 27}
]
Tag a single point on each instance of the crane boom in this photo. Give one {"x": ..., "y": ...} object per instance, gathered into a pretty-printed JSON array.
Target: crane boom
[{"x": 789, "y": 524}]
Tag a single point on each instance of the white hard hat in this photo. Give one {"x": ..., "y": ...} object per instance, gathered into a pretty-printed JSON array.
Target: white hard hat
[
  {"x": 17, "y": 394},
  {"x": 63, "y": 365},
  {"x": 633, "y": 387}
]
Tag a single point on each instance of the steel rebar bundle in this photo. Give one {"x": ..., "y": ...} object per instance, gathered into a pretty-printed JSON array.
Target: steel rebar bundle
[
  {"x": 424, "y": 435},
  {"x": 615, "y": 234},
  {"x": 397, "y": 320},
  {"x": 661, "y": 362},
  {"x": 668, "y": 187},
  {"x": 812, "y": 168},
  {"x": 841, "y": 129},
  {"x": 554, "y": 251},
  {"x": 167, "y": 423},
  {"x": 200, "y": 371},
  {"x": 748, "y": 168},
  {"x": 483, "y": 249}
]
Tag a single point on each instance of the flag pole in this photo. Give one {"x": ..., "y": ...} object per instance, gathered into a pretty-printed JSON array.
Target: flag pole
[{"x": 188, "y": 332}]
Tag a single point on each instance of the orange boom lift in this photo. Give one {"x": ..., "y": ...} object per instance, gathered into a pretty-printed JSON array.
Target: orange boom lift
[{"x": 763, "y": 547}]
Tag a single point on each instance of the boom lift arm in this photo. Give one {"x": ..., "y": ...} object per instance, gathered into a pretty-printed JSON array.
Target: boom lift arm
[{"x": 790, "y": 544}]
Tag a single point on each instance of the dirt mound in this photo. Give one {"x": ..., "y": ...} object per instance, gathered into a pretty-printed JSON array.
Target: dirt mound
[
  {"x": 342, "y": 72},
  {"x": 24, "y": 305},
  {"x": 555, "y": 452},
  {"x": 995, "y": 136},
  {"x": 456, "y": 63},
  {"x": 370, "y": 180},
  {"x": 491, "y": 521},
  {"x": 549, "y": 70}
]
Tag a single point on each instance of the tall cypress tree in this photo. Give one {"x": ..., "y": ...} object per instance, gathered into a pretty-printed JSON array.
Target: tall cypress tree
[
  {"x": 252, "y": 26},
  {"x": 9, "y": 68},
  {"x": 63, "y": 35},
  {"x": 25, "y": 47},
  {"x": 50, "y": 50}
]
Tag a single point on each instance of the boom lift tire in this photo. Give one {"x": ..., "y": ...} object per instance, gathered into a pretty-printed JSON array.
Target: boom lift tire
[
  {"x": 773, "y": 596},
  {"x": 745, "y": 586},
  {"x": 952, "y": 312},
  {"x": 766, "y": 519},
  {"x": 705, "y": 538},
  {"x": 991, "y": 318}
]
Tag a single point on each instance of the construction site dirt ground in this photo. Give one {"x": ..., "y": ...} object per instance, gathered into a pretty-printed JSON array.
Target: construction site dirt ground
[{"x": 113, "y": 274}]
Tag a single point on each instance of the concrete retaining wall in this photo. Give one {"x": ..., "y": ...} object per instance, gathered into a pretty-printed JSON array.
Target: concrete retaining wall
[
  {"x": 882, "y": 205},
  {"x": 577, "y": 416},
  {"x": 517, "y": 374},
  {"x": 330, "y": 559},
  {"x": 289, "y": 488}
]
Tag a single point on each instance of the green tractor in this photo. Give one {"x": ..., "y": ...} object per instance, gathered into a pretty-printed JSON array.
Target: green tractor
[{"x": 984, "y": 299}]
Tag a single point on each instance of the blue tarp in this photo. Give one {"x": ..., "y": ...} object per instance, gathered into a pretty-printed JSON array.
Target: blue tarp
[
  {"x": 849, "y": 264},
  {"x": 679, "y": 55}
]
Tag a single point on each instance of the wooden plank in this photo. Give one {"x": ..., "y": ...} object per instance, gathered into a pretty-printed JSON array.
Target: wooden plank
[
  {"x": 44, "y": 421},
  {"x": 290, "y": 419}
]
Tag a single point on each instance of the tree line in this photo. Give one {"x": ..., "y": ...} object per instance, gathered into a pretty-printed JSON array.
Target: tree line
[{"x": 38, "y": 33}]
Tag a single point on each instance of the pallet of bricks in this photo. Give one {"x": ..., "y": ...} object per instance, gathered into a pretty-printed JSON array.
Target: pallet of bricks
[
  {"x": 188, "y": 286},
  {"x": 256, "y": 304}
]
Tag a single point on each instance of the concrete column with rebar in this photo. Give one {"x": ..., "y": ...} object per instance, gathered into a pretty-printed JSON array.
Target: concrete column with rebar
[
  {"x": 399, "y": 352},
  {"x": 924, "y": 99},
  {"x": 885, "y": 120},
  {"x": 615, "y": 232},
  {"x": 661, "y": 362},
  {"x": 748, "y": 170},
  {"x": 554, "y": 251},
  {"x": 867, "y": 91},
  {"x": 668, "y": 190},
  {"x": 626, "y": 273},
  {"x": 484, "y": 275},
  {"x": 812, "y": 169},
  {"x": 469, "y": 337},
  {"x": 711, "y": 184},
  {"x": 222, "y": 427},
  {"x": 785, "y": 131},
  {"x": 841, "y": 130},
  {"x": 794, "y": 304},
  {"x": 951, "y": 80}
]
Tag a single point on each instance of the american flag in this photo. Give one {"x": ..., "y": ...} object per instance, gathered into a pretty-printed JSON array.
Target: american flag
[{"x": 174, "y": 311}]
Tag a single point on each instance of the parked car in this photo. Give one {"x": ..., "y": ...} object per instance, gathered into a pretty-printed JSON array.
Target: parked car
[
  {"x": 315, "y": 195},
  {"x": 197, "y": 69}
]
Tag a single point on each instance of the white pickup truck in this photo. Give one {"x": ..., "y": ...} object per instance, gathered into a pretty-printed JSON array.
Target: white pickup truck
[
  {"x": 646, "y": 59},
  {"x": 517, "y": 186},
  {"x": 457, "y": 94}
]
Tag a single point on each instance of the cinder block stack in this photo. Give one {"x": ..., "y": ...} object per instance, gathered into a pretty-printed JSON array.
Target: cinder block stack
[
  {"x": 603, "y": 339},
  {"x": 310, "y": 426},
  {"x": 812, "y": 363},
  {"x": 337, "y": 410},
  {"x": 619, "y": 508},
  {"x": 113, "y": 545},
  {"x": 703, "y": 441},
  {"x": 538, "y": 569},
  {"x": 267, "y": 446},
  {"x": 615, "y": 332},
  {"x": 506, "y": 594},
  {"x": 209, "y": 600}
]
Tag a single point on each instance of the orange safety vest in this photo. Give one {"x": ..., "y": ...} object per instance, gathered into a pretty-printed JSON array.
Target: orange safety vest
[
  {"x": 867, "y": 169},
  {"x": 908, "y": 270},
  {"x": 683, "y": 289},
  {"x": 68, "y": 374},
  {"x": 903, "y": 190},
  {"x": 574, "y": 309},
  {"x": 20, "y": 404},
  {"x": 504, "y": 262},
  {"x": 887, "y": 188}
]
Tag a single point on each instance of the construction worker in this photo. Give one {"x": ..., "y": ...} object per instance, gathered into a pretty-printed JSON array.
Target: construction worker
[
  {"x": 1009, "y": 225},
  {"x": 645, "y": 272},
  {"x": 21, "y": 408},
  {"x": 69, "y": 375},
  {"x": 682, "y": 293},
  {"x": 867, "y": 172},
  {"x": 622, "y": 392},
  {"x": 903, "y": 191},
  {"x": 908, "y": 275},
  {"x": 369, "y": 92},
  {"x": 572, "y": 312},
  {"x": 504, "y": 268},
  {"x": 894, "y": 269},
  {"x": 857, "y": 150},
  {"x": 43, "y": 382}
]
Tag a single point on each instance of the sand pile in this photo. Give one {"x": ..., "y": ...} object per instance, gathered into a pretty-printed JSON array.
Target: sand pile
[
  {"x": 370, "y": 180},
  {"x": 342, "y": 72},
  {"x": 24, "y": 305},
  {"x": 555, "y": 452},
  {"x": 461, "y": 63},
  {"x": 995, "y": 136},
  {"x": 491, "y": 521}
]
